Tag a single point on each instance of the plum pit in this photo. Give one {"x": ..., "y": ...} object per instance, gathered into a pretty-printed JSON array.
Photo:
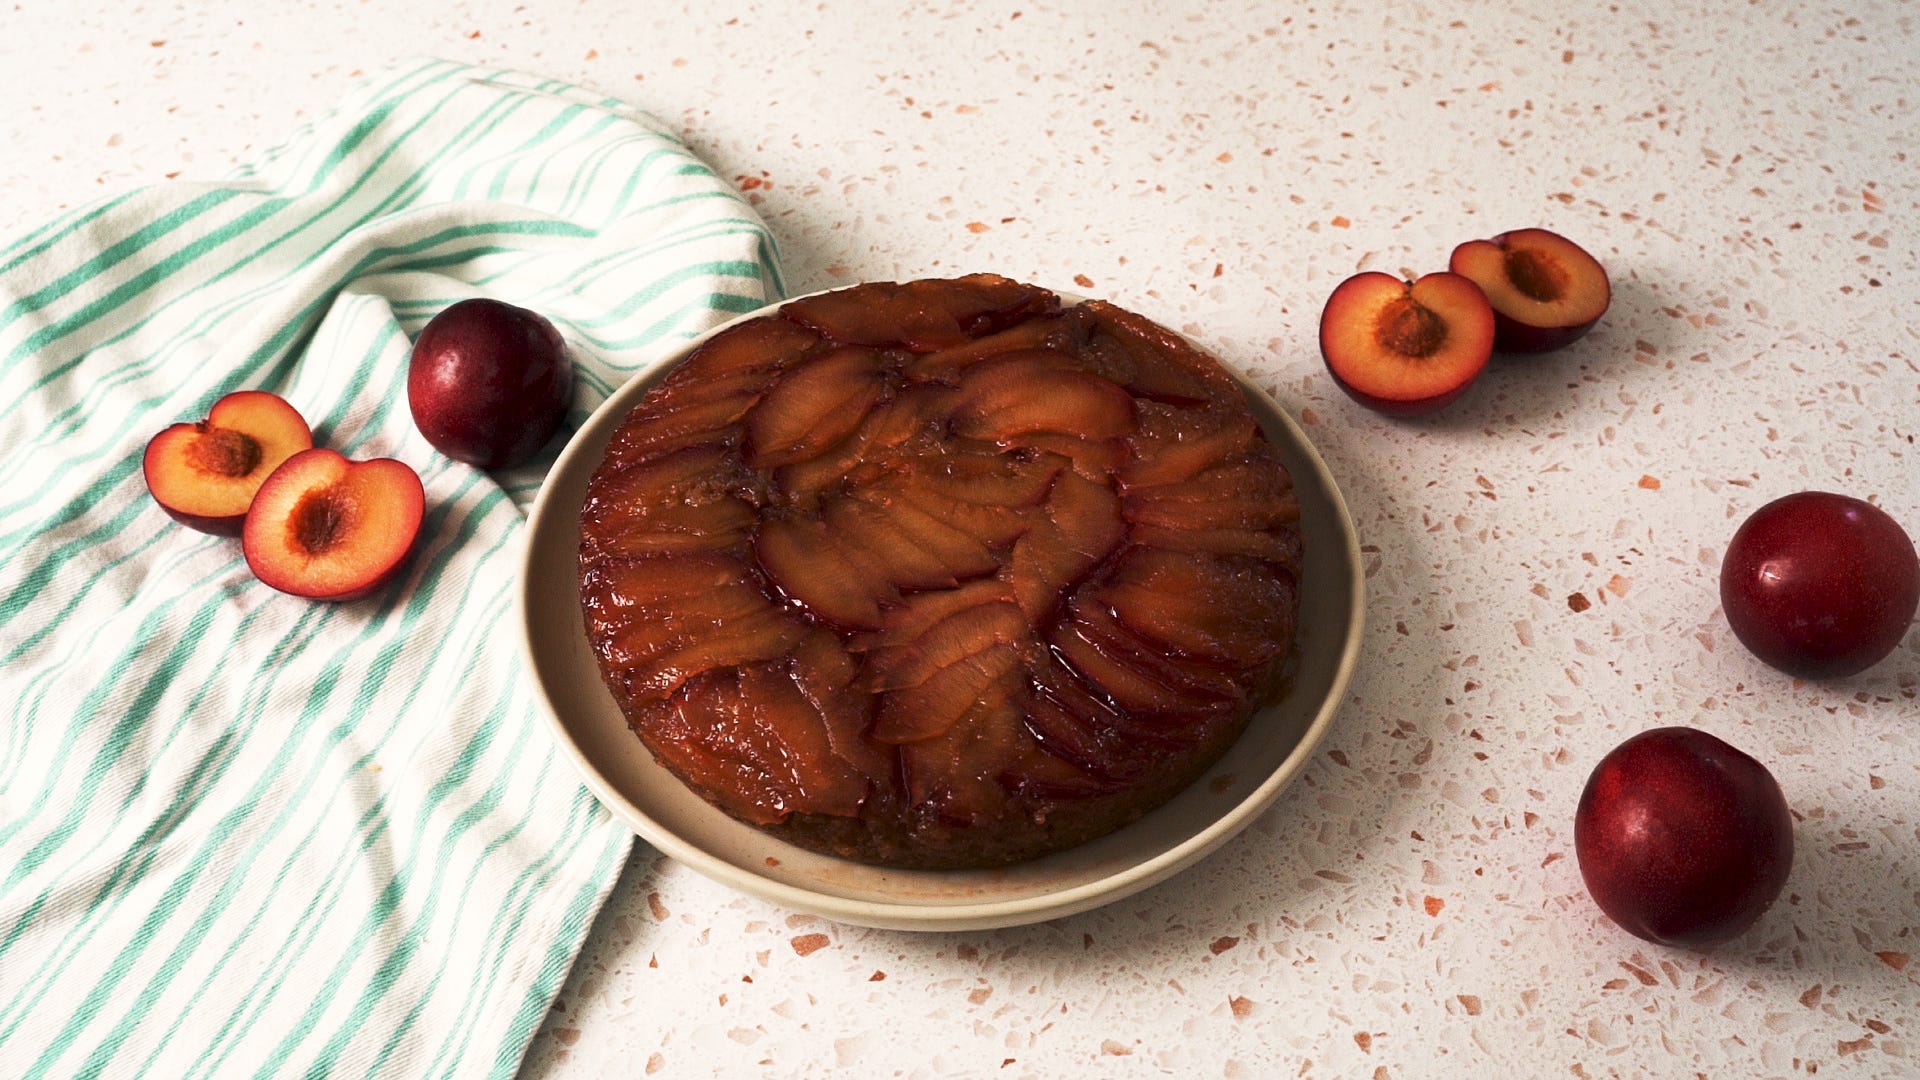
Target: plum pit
[
  {"x": 1410, "y": 329},
  {"x": 320, "y": 520},
  {"x": 1536, "y": 276},
  {"x": 224, "y": 451}
]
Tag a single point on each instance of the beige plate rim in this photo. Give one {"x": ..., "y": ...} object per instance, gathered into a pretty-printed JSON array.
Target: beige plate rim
[{"x": 539, "y": 621}]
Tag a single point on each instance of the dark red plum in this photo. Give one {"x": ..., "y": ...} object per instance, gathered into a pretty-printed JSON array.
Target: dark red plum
[
  {"x": 489, "y": 383},
  {"x": 1820, "y": 585},
  {"x": 1682, "y": 839}
]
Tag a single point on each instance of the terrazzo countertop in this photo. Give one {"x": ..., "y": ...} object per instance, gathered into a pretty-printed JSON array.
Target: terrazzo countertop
[{"x": 1541, "y": 557}]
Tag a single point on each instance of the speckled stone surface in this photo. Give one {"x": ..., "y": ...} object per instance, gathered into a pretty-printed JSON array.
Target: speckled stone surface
[{"x": 1542, "y": 556}]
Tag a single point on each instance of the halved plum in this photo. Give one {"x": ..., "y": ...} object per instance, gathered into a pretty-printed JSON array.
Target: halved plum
[
  {"x": 1546, "y": 291},
  {"x": 205, "y": 474},
  {"x": 1406, "y": 348},
  {"x": 327, "y": 528}
]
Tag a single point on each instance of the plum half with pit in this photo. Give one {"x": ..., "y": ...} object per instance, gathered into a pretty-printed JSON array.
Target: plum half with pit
[
  {"x": 1406, "y": 348},
  {"x": 488, "y": 383},
  {"x": 1546, "y": 291},
  {"x": 327, "y": 528},
  {"x": 1820, "y": 585},
  {"x": 204, "y": 474},
  {"x": 1682, "y": 838}
]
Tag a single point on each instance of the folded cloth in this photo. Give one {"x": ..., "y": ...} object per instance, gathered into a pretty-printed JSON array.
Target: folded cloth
[{"x": 242, "y": 832}]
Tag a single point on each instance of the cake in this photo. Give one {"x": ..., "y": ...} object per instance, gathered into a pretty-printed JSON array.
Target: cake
[{"x": 940, "y": 574}]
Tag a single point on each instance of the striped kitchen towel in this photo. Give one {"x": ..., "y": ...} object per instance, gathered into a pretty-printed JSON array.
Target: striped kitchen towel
[{"x": 243, "y": 833}]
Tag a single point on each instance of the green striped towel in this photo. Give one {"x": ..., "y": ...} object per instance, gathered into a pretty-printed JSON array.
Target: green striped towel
[{"x": 243, "y": 833}]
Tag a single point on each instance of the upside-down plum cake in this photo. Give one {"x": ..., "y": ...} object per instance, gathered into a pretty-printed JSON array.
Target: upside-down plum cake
[{"x": 940, "y": 574}]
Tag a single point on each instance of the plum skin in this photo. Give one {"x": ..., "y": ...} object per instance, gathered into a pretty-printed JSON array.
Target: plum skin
[
  {"x": 1683, "y": 839},
  {"x": 1820, "y": 585},
  {"x": 488, "y": 383}
]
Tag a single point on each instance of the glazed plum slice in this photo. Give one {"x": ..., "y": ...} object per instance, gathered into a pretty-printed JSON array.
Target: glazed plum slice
[
  {"x": 705, "y": 416},
  {"x": 755, "y": 347},
  {"x": 964, "y": 633},
  {"x": 934, "y": 574},
  {"x": 986, "y": 479},
  {"x": 928, "y": 709},
  {"x": 724, "y": 626},
  {"x": 1021, "y": 394},
  {"x": 903, "y": 414},
  {"x": 752, "y": 739},
  {"x": 1152, "y": 362},
  {"x": 813, "y": 407},
  {"x": 679, "y": 503},
  {"x": 808, "y": 567},
  {"x": 1182, "y": 603},
  {"x": 632, "y": 603},
  {"x": 1175, "y": 445},
  {"x": 1228, "y": 495},
  {"x": 917, "y": 317},
  {"x": 826, "y": 674},
  {"x": 1080, "y": 526},
  {"x": 1125, "y": 655},
  {"x": 945, "y": 365},
  {"x": 959, "y": 771},
  {"x": 961, "y": 554},
  {"x": 936, "y": 654}
]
